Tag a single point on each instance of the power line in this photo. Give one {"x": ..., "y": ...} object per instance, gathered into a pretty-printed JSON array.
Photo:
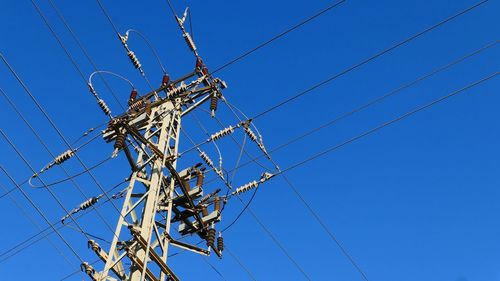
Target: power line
[
  {"x": 404, "y": 116},
  {"x": 379, "y": 54},
  {"x": 214, "y": 268},
  {"x": 40, "y": 212},
  {"x": 307, "y": 206},
  {"x": 106, "y": 13},
  {"x": 37, "y": 226},
  {"x": 238, "y": 260},
  {"x": 46, "y": 234},
  {"x": 374, "y": 101},
  {"x": 263, "y": 44},
  {"x": 21, "y": 156},
  {"x": 54, "y": 126},
  {"x": 45, "y": 146},
  {"x": 256, "y": 218},
  {"x": 84, "y": 50}
]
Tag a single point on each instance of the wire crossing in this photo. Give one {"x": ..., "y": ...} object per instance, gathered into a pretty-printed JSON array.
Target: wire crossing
[{"x": 369, "y": 59}]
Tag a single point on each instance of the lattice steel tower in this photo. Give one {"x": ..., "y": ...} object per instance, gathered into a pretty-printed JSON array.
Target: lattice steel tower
[{"x": 158, "y": 195}]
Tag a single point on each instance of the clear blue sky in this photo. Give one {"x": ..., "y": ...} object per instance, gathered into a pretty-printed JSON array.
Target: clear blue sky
[{"x": 418, "y": 200}]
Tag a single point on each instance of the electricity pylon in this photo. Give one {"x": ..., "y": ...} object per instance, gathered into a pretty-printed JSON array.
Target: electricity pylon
[{"x": 159, "y": 195}]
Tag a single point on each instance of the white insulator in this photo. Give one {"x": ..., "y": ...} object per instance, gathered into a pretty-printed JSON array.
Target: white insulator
[
  {"x": 92, "y": 90},
  {"x": 222, "y": 133},
  {"x": 207, "y": 159},
  {"x": 176, "y": 91},
  {"x": 263, "y": 148},
  {"x": 133, "y": 58},
  {"x": 104, "y": 106},
  {"x": 189, "y": 41},
  {"x": 89, "y": 203},
  {"x": 89, "y": 270},
  {"x": 85, "y": 205},
  {"x": 57, "y": 161},
  {"x": 250, "y": 133},
  {"x": 246, "y": 187},
  {"x": 64, "y": 156}
]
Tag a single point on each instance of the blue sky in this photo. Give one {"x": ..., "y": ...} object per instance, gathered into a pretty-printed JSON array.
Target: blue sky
[{"x": 417, "y": 200}]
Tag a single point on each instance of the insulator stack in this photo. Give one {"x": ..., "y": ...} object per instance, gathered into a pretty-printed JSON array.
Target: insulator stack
[
  {"x": 57, "y": 161},
  {"x": 120, "y": 141},
  {"x": 222, "y": 133},
  {"x": 165, "y": 80},
  {"x": 135, "y": 61},
  {"x": 177, "y": 91},
  {"x": 89, "y": 203},
  {"x": 85, "y": 205},
  {"x": 207, "y": 159},
  {"x": 189, "y": 41},
  {"x": 199, "y": 63},
  {"x": 200, "y": 66},
  {"x": 64, "y": 157},
  {"x": 133, "y": 96},
  {"x": 220, "y": 244},
  {"x": 136, "y": 105},
  {"x": 200, "y": 177},
  {"x": 263, "y": 148},
  {"x": 249, "y": 132},
  {"x": 104, "y": 107},
  {"x": 246, "y": 187},
  {"x": 213, "y": 105},
  {"x": 217, "y": 204},
  {"x": 204, "y": 211},
  {"x": 211, "y": 237}
]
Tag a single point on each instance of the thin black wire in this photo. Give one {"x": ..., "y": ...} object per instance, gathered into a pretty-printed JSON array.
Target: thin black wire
[
  {"x": 105, "y": 12},
  {"x": 45, "y": 146},
  {"x": 151, "y": 47},
  {"x": 213, "y": 267},
  {"x": 233, "y": 255},
  {"x": 76, "y": 271},
  {"x": 54, "y": 196},
  {"x": 316, "y": 216},
  {"x": 84, "y": 50},
  {"x": 54, "y": 126},
  {"x": 309, "y": 19},
  {"x": 379, "y": 54},
  {"x": 375, "y": 129},
  {"x": 318, "y": 219},
  {"x": 37, "y": 226},
  {"x": 261, "y": 224},
  {"x": 33, "y": 204},
  {"x": 374, "y": 101},
  {"x": 20, "y": 244},
  {"x": 307, "y": 206}
]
